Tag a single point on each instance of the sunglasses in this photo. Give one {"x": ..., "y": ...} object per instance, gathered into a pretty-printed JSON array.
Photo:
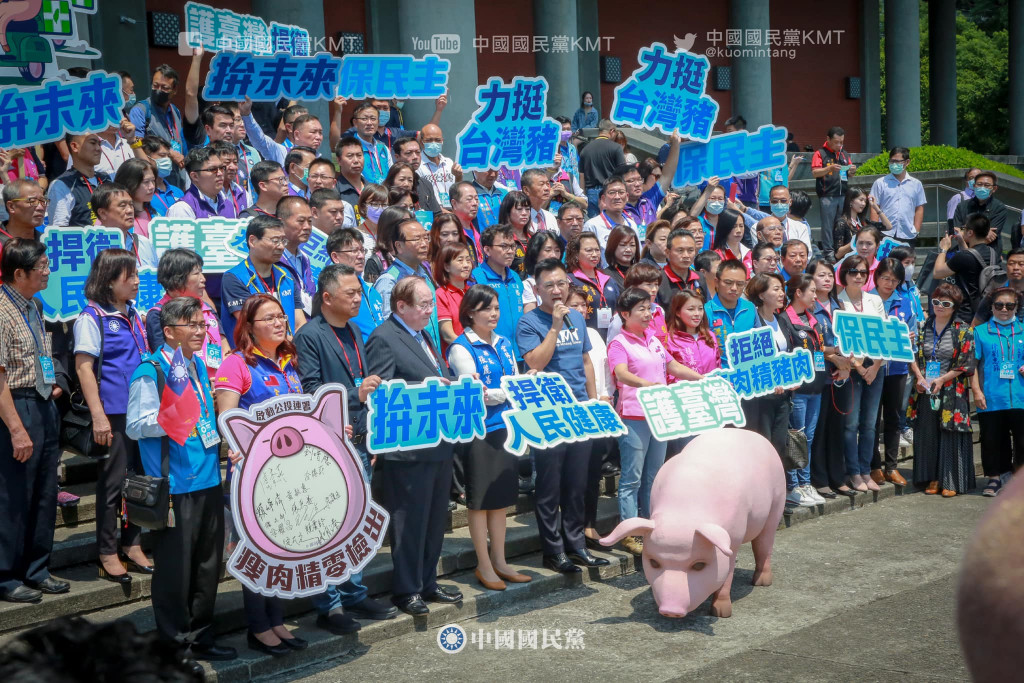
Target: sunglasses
[
  {"x": 1004, "y": 306},
  {"x": 938, "y": 303},
  {"x": 856, "y": 272}
]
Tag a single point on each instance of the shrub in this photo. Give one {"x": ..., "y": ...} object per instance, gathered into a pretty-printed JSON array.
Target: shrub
[{"x": 937, "y": 158}]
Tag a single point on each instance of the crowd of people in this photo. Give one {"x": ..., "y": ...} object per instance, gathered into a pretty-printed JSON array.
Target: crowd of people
[{"x": 595, "y": 268}]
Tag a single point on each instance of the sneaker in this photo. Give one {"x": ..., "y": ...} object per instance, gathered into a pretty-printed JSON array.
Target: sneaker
[
  {"x": 812, "y": 494},
  {"x": 794, "y": 497},
  {"x": 633, "y": 544},
  {"x": 907, "y": 437},
  {"x": 65, "y": 499}
]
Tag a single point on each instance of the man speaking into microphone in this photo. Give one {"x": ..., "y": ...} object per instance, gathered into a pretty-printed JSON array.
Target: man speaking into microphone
[{"x": 553, "y": 338}]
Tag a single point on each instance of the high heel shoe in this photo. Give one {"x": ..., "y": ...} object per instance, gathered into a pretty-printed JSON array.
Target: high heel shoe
[
  {"x": 856, "y": 482},
  {"x": 133, "y": 566},
  {"x": 122, "y": 579},
  {"x": 498, "y": 585},
  {"x": 514, "y": 577},
  {"x": 256, "y": 644},
  {"x": 870, "y": 483}
]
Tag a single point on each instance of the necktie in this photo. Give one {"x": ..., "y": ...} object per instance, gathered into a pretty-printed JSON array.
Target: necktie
[{"x": 430, "y": 354}]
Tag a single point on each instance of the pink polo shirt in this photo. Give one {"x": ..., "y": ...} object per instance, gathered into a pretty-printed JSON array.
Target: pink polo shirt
[
  {"x": 693, "y": 352},
  {"x": 646, "y": 358}
]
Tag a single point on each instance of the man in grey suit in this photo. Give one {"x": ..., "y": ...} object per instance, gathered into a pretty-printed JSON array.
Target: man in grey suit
[{"x": 414, "y": 484}]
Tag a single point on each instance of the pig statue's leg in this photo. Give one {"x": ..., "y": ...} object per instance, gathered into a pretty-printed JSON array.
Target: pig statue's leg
[
  {"x": 762, "y": 546},
  {"x": 721, "y": 606}
]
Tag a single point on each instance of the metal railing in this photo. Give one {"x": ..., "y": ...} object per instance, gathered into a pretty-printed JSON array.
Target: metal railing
[{"x": 941, "y": 222}]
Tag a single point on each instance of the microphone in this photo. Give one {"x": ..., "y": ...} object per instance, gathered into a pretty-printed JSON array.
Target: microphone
[{"x": 568, "y": 323}]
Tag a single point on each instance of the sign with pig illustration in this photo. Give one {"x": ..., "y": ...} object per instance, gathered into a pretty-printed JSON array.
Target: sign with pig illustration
[{"x": 300, "y": 504}]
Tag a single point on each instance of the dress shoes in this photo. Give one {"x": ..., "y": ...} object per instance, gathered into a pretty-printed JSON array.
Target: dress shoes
[
  {"x": 23, "y": 594},
  {"x": 278, "y": 650},
  {"x": 894, "y": 477},
  {"x": 498, "y": 585},
  {"x": 368, "y": 608},
  {"x": 338, "y": 623},
  {"x": 585, "y": 558},
  {"x": 593, "y": 543},
  {"x": 193, "y": 667},
  {"x": 412, "y": 604},
  {"x": 295, "y": 643},
  {"x": 442, "y": 594},
  {"x": 932, "y": 488},
  {"x": 947, "y": 493},
  {"x": 878, "y": 476},
  {"x": 50, "y": 586},
  {"x": 560, "y": 562},
  {"x": 514, "y": 577},
  {"x": 214, "y": 653}
]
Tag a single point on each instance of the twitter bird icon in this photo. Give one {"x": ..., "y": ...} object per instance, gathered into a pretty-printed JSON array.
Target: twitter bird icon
[{"x": 684, "y": 44}]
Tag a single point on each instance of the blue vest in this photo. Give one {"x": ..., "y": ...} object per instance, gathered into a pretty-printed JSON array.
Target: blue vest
[
  {"x": 492, "y": 363},
  {"x": 124, "y": 347},
  {"x": 269, "y": 380},
  {"x": 282, "y": 288},
  {"x": 510, "y": 300}
]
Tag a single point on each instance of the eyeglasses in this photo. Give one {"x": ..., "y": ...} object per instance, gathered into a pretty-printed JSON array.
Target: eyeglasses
[
  {"x": 358, "y": 250},
  {"x": 33, "y": 201},
  {"x": 1004, "y": 306},
  {"x": 769, "y": 259},
  {"x": 321, "y": 176},
  {"x": 506, "y": 246},
  {"x": 858, "y": 271},
  {"x": 415, "y": 240},
  {"x": 215, "y": 170},
  {"x": 425, "y": 306},
  {"x": 43, "y": 267},
  {"x": 939, "y": 303},
  {"x": 551, "y": 286},
  {"x": 193, "y": 327},
  {"x": 280, "y": 180},
  {"x": 277, "y": 241},
  {"x": 367, "y": 119},
  {"x": 271, "y": 319},
  {"x": 616, "y": 193}
]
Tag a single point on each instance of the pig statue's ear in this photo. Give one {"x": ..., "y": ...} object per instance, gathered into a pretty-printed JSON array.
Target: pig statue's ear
[
  {"x": 718, "y": 537},
  {"x": 243, "y": 430},
  {"x": 328, "y": 410},
  {"x": 634, "y": 526}
]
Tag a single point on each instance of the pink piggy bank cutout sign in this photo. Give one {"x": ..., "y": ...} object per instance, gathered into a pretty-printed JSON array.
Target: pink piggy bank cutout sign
[{"x": 301, "y": 505}]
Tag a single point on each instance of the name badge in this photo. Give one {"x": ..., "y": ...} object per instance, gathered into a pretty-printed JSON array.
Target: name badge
[
  {"x": 208, "y": 433},
  {"x": 46, "y": 366},
  {"x": 819, "y": 361},
  {"x": 307, "y": 302},
  {"x": 1007, "y": 369},
  {"x": 843, "y": 172},
  {"x": 604, "y": 317},
  {"x": 932, "y": 370},
  {"x": 214, "y": 355},
  {"x": 445, "y": 201},
  {"x": 358, "y": 382}
]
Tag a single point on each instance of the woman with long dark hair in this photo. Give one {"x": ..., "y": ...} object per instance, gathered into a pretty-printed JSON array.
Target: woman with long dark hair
[
  {"x": 856, "y": 215},
  {"x": 727, "y": 241},
  {"x": 515, "y": 211}
]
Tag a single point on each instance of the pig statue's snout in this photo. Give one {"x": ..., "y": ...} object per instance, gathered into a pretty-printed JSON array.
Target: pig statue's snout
[
  {"x": 673, "y": 613},
  {"x": 286, "y": 441}
]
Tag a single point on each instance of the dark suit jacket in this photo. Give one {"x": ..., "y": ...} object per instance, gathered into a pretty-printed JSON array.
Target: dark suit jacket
[
  {"x": 321, "y": 362},
  {"x": 393, "y": 353}
]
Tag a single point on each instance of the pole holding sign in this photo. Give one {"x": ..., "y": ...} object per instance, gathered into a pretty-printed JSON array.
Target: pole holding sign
[
  {"x": 217, "y": 30},
  {"x": 300, "y": 503}
]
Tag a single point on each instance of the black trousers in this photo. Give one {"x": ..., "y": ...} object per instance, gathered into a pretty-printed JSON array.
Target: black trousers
[
  {"x": 561, "y": 482},
  {"x": 769, "y": 416},
  {"x": 416, "y": 496},
  {"x": 262, "y": 612},
  {"x": 828, "y": 464},
  {"x": 123, "y": 459},
  {"x": 888, "y": 423},
  {"x": 28, "y": 494},
  {"x": 459, "y": 469},
  {"x": 598, "y": 453},
  {"x": 187, "y": 567},
  {"x": 1002, "y": 440}
]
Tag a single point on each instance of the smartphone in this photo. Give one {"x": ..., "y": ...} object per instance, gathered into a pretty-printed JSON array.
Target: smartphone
[{"x": 950, "y": 230}]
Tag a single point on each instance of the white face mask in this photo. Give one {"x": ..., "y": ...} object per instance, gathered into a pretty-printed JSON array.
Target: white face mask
[{"x": 908, "y": 273}]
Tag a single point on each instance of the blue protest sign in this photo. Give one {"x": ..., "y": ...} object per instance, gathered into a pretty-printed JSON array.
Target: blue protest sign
[
  {"x": 38, "y": 33},
  {"x": 150, "y": 290},
  {"x": 383, "y": 77},
  {"x": 871, "y": 336},
  {"x": 71, "y": 252},
  {"x": 426, "y": 219},
  {"x": 886, "y": 247},
  {"x": 510, "y": 127},
  {"x": 237, "y": 75},
  {"x": 667, "y": 93},
  {"x": 217, "y": 30},
  {"x": 687, "y": 408},
  {"x": 546, "y": 414},
  {"x": 34, "y": 115},
  {"x": 412, "y": 417},
  {"x": 757, "y": 368},
  {"x": 731, "y": 154}
]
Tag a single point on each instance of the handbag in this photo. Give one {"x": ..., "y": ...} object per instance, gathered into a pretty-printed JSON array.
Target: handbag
[
  {"x": 795, "y": 457},
  {"x": 147, "y": 500},
  {"x": 76, "y": 424}
]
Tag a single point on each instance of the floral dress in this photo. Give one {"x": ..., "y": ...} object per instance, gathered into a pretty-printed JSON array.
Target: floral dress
[{"x": 943, "y": 443}]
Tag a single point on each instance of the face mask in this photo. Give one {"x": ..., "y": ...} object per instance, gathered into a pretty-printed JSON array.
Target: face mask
[
  {"x": 305, "y": 175},
  {"x": 970, "y": 184},
  {"x": 566, "y": 134},
  {"x": 983, "y": 193},
  {"x": 715, "y": 208},
  {"x": 779, "y": 210},
  {"x": 373, "y": 213},
  {"x": 895, "y": 168},
  {"x": 400, "y": 103},
  {"x": 164, "y": 166},
  {"x": 908, "y": 273},
  {"x": 159, "y": 97},
  {"x": 383, "y": 117},
  {"x": 432, "y": 149},
  {"x": 588, "y": 103},
  {"x": 130, "y": 102},
  {"x": 997, "y": 321}
]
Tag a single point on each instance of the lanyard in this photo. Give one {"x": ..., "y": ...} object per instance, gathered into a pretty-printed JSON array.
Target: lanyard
[
  {"x": 1009, "y": 349},
  {"x": 159, "y": 195},
  {"x": 88, "y": 185},
  {"x": 138, "y": 225},
  {"x": 348, "y": 361},
  {"x": 24, "y": 316},
  {"x": 812, "y": 324},
  {"x": 375, "y": 155},
  {"x": 937, "y": 337},
  {"x": 231, "y": 191}
]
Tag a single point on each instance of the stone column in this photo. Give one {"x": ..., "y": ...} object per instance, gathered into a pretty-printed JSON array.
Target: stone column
[
  {"x": 870, "y": 79},
  {"x": 751, "y": 76},
  {"x": 561, "y": 69},
  {"x": 902, "y": 73},
  {"x": 1017, "y": 77},
  {"x": 942, "y": 72}
]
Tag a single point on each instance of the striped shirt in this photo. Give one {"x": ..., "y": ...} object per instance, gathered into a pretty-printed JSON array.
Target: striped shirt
[{"x": 19, "y": 344}]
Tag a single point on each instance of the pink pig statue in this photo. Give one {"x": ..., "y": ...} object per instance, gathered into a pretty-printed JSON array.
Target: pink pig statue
[{"x": 725, "y": 488}]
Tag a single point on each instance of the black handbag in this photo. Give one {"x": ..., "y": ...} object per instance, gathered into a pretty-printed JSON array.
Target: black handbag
[
  {"x": 76, "y": 425},
  {"x": 147, "y": 500},
  {"x": 796, "y": 451}
]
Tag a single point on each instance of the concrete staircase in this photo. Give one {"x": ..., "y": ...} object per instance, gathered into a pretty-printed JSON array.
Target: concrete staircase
[{"x": 75, "y": 555}]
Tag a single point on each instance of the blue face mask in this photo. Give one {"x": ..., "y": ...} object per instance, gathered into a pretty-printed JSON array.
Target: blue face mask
[
  {"x": 383, "y": 117},
  {"x": 130, "y": 101},
  {"x": 895, "y": 168},
  {"x": 715, "y": 208},
  {"x": 983, "y": 193},
  {"x": 399, "y": 103},
  {"x": 305, "y": 176},
  {"x": 970, "y": 184},
  {"x": 164, "y": 166},
  {"x": 780, "y": 209},
  {"x": 432, "y": 149}
]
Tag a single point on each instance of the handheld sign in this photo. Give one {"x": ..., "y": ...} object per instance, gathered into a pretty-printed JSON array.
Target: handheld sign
[
  {"x": 757, "y": 368},
  {"x": 300, "y": 503},
  {"x": 410, "y": 417},
  {"x": 217, "y": 30},
  {"x": 731, "y": 154},
  {"x": 871, "y": 336},
  {"x": 236, "y": 75},
  {"x": 667, "y": 93},
  {"x": 393, "y": 76},
  {"x": 687, "y": 408},
  {"x": 547, "y": 414}
]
